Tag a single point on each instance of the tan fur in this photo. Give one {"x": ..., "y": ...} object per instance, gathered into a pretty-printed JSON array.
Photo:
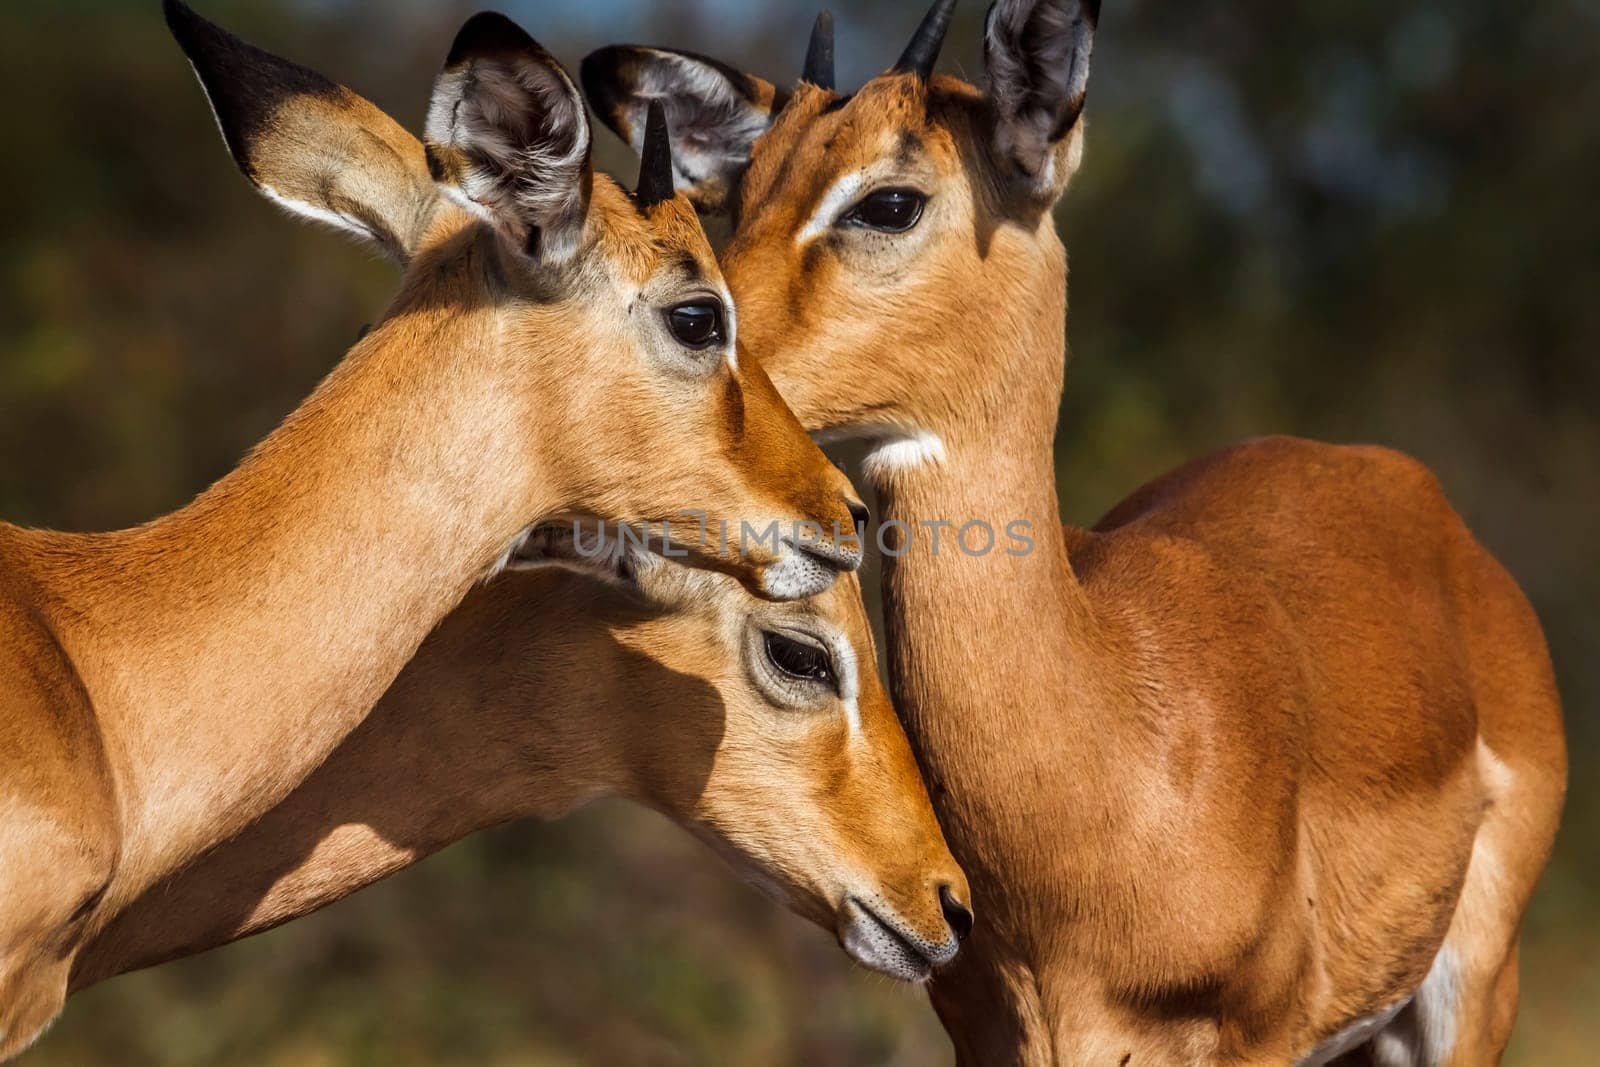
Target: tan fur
[
  {"x": 506, "y": 713},
  {"x": 166, "y": 685},
  {"x": 1226, "y": 771},
  {"x": 1219, "y": 768},
  {"x": 379, "y": 163}
]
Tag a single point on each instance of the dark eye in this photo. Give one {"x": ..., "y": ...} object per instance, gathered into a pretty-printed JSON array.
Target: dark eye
[
  {"x": 889, "y": 210},
  {"x": 697, "y": 324},
  {"x": 799, "y": 660}
]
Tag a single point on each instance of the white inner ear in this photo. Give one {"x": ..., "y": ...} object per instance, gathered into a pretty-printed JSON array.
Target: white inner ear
[
  {"x": 527, "y": 136},
  {"x": 304, "y": 210},
  {"x": 712, "y": 125},
  {"x": 567, "y": 545},
  {"x": 289, "y": 204}
]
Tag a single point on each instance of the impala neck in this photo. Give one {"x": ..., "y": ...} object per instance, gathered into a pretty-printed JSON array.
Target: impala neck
[
  {"x": 228, "y": 647},
  {"x": 972, "y": 639},
  {"x": 494, "y": 691}
]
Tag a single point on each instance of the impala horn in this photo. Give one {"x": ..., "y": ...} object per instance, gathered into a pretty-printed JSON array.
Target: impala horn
[
  {"x": 655, "y": 161},
  {"x": 819, "y": 54},
  {"x": 923, "y": 51}
]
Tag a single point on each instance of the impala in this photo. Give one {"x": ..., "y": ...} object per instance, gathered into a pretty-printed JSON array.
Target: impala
[
  {"x": 558, "y": 347},
  {"x": 1287, "y": 775},
  {"x": 1263, "y": 768},
  {"x": 761, "y": 727}
]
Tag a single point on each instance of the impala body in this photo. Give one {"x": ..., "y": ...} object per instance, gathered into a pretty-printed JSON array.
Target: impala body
[
  {"x": 1263, "y": 768},
  {"x": 558, "y": 347}
]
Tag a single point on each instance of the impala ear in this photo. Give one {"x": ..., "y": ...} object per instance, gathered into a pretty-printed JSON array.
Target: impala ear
[
  {"x": 583, "y": 546},
  {"x": 1037, "y": 54},
  {"x": 309, "y": 144},
  {"x": 714, "y": 112},
  {"x": 507, "y": 136}
]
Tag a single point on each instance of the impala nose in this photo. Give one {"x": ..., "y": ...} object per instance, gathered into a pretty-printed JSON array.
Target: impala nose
[
  {"x": 859, "y": 512},
  {"x": 835, "y": 555},
  {"x": 957, "y": 914},
  {"x": 834, "y": 548}
]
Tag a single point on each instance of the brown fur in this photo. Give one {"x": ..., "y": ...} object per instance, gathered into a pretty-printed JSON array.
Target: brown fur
[
  {"x": 1218, "y": 767},
  {"x": 1222, "y": 799},
  {"x": 166, "y": 685},
  {"x": 506, "y": 714}
]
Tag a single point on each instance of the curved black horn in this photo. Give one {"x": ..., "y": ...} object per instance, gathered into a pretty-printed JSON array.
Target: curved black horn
[
  {"x": 819, "y": 53},
  {"x": 923, "y": 51},
  {"x": 655, "y": 160}
]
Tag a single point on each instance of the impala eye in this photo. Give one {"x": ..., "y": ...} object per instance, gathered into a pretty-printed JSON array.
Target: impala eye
[
  {"x": 697, "y": 324},
  {"x": 888, "y": 210},
  {"x": 798, "y": 660}
]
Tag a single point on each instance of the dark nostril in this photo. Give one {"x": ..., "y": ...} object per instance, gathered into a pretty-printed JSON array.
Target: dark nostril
[
  {"x": 957, "y": 914},
  {"x": 859, "y": 512}
]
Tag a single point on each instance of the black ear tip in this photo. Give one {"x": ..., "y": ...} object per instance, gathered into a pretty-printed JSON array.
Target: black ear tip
[
  {"x": 178, "y": 14},
  {"x": 598, "y": 74},
  {"x": 605, "y": 58},
  {"x": 188, "y": 28},
  {"x": 244, "y": 84},
  {"x": 489, "y": 33}
]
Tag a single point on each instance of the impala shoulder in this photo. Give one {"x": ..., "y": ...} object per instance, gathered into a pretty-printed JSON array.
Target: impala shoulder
[
  {"x": 1396, "y": 469},
  {"x": 1376, "y": 464},
  {"x": 1163, "y": 572},
  {"x": 30, "y": 655}
]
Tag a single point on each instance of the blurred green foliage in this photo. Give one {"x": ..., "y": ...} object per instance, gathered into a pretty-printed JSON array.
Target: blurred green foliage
[{"x": 1339, "y": 218}]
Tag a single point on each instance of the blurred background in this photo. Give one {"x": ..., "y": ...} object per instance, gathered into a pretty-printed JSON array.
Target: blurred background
[{"x": 1346, "y": 219}]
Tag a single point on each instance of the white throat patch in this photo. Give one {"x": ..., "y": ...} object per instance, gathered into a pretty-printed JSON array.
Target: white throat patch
[{"x": 902, "y": 453}]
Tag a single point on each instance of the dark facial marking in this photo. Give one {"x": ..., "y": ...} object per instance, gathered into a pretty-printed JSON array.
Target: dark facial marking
[
  {"x": 689, "y": 267},
  {"x": 910, "y": 148},
  {"x": 733, "y": 410}
]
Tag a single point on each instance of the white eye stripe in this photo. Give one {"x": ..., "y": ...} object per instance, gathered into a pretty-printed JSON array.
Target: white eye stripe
[
  {"x": 730, "y": 316},
  {"x": 843, "y": 194},
  {"x": 847, "y": 666}
]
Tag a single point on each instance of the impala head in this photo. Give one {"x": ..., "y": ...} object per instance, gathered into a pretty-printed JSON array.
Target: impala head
[
  {"x": 760, "y": 726},
  {"x": 890, "y": 246},
  {"x": 588, "y": 324}
]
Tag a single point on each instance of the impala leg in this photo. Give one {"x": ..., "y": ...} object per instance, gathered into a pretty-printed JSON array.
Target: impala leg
[
  {"x": 1463, "y": 1013},
  {"x": 58, "y": 835},
  {"x": 42, "y": 909},
  {"x": 990, "y": 1008},
  {"x": 1463, "y": 1020},
  {"x": 31, "y": 996},
  {"x": 1502, "y": 1006}
]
